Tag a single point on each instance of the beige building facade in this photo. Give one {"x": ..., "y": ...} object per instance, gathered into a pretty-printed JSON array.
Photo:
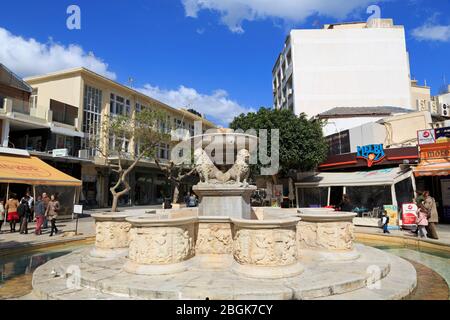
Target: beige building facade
[{"x": 74, "y": 102}]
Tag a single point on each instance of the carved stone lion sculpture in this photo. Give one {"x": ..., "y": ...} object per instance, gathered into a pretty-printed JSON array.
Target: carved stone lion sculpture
[
  {"x": 205, "y": 167},
  {"x": 240, "y": 171}
]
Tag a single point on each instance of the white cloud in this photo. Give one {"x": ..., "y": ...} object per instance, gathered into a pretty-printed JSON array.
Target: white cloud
[
  {"x": 216, "y": 106},
  {"x": 28, "y": 57},
  {"x": 430, "y": 32},
  {"x": 234, "y": 12}
]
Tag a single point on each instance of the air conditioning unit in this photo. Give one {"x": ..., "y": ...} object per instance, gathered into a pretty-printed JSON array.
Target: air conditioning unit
[
  {"x": 83, "y": 154},
  {"x": 445, "y": 110},
  {"x": 290, "y": 91}
]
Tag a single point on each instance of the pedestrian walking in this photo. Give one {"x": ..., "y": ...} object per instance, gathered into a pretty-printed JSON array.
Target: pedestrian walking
[
  {"x": 433, "y": 218},
  {"x": 11, "y": 208},
  {"x": 385, "y": 222},
  {"x": 45, "y": 200},
  {"x": 2, "y": 214},
  {"x": 39, "y": 211},
  {"x": 422, "y": 222},
  {"x": 52, "y": 213},
  {"x": 30, "y": 201},
  {"x": 24, "y": 214}
]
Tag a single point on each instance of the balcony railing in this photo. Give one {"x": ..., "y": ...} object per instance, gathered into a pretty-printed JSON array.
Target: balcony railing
[{"x": 16, "y": 105}]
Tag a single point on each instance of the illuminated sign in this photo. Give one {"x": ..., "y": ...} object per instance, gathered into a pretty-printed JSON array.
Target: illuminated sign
[{"x": 372, "y": 153}]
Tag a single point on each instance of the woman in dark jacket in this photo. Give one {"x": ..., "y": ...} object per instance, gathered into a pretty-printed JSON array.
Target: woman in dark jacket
[{"x": 24, "y": 212}]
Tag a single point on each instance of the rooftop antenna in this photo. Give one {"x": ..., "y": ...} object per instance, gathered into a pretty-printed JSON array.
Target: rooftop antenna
[{"x": 130, "y": 82}]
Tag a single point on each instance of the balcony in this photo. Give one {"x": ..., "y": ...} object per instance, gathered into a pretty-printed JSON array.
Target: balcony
[{"x": 12, "y": 105}]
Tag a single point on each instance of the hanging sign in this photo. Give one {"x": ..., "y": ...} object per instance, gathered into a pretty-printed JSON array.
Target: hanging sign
[{"x": 372, "y": 153}]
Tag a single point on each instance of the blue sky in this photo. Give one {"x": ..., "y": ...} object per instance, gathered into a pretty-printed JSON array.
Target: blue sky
[{"x": 214, "y": 55}]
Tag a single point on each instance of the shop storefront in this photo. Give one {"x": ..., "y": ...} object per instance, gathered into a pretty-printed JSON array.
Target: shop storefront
[
  {"x": 374, "y": 178},
  {"x": 433, "y": 172},
  {"x": 20, "y": 172},
  {"x": 370, "y": 192}
]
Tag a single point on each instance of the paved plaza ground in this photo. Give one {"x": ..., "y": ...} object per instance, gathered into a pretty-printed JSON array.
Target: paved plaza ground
[
  {"x": 86, "y": 229},
  {"x": 66, "y": 231}
]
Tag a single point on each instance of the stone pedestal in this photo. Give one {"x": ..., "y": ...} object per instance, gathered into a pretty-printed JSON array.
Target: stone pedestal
[
  {"x": 326, "y": 236},
  {"x": 111, "y": 235},
  {"x": 224, "y": 200},
  {"x": 266, "y": 249},
  {"x": 160, "y": 246}
]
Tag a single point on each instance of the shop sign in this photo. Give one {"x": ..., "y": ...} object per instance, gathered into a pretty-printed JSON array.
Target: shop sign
[
  {"x": 409, "y": 213},
  {"x": 372, "y": 153},
  {"x": 443, "y": 135},
  {"x": 435, "y": 151},
  {"x": 60, "y": 152},
  {"x": 392, "y": 212},
  {"x": 426, "y": 136}
]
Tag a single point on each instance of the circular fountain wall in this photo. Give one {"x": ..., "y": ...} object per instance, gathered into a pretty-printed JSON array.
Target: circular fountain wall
[{"x": 227, "y": 250}]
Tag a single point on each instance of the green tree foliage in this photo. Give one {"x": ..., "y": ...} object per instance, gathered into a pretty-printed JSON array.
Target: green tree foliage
[{"x": 302, "y": 145}]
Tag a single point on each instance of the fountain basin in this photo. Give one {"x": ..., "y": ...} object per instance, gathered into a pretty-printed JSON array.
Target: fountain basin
[
  {"x": 111, "y": 235},
  {"x": 326, "y": 235},
  {"x": 160, "y": 245},
  {"x": 266, "y": 248}
]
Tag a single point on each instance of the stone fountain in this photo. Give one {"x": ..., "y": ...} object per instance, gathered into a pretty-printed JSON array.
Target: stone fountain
[{"x": 225, "y": 249}]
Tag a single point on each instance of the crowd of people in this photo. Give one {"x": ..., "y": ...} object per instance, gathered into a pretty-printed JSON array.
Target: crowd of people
[{"x": 43, "y": 210}]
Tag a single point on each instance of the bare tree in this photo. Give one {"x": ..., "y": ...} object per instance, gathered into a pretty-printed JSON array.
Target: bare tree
[
  {"x": 175, "y": 174},
  {"x": 146, "y": 131}
]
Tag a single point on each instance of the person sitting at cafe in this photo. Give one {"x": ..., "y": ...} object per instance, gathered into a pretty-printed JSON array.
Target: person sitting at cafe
[{"x": 345, "y": 204}]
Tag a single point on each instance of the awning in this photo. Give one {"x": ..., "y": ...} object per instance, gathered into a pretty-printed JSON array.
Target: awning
[
  {"x": 433, "y": 167},
  {"x": 33, "y": 171},
  {"x": 66, "y": 132},
  {"x": 360, "y": 178}
]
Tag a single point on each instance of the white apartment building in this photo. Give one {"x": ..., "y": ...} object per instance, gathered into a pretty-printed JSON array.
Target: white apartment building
[{"x": 343, "y": 65}]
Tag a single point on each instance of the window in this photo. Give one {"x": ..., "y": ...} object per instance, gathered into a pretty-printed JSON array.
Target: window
[
  {"x": 312, "y": 197},
  {"x": 365, "y": 198},
  {"x": 91, "y": 116},
  {"x": 63, "y": 113},
  {"x": 119, "y": 106},
  {"x": 64, "y": 142},
  {"x": 118, "y": 144},
  {"x": 33, "y": 98},
  {"x": 404, "y": 192},
  {"x": 140, "y": 107},
  {"x": 163, "y": 151},
  {"x": 336, "y": 194}
]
